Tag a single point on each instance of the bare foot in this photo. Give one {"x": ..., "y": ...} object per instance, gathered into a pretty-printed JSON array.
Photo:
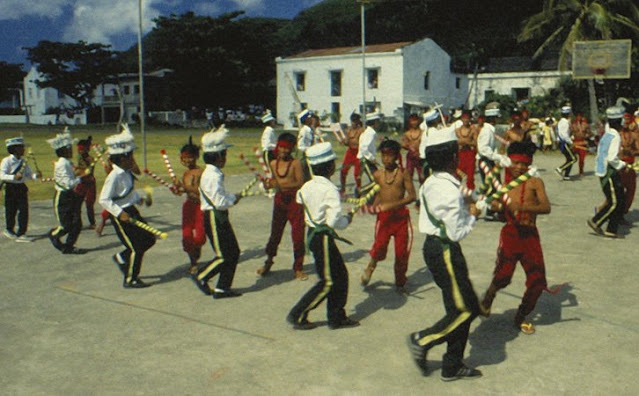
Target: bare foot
[{"x": 299, "y": 275}]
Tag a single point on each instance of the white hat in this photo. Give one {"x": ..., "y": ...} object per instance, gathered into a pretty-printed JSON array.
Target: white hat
[
  {"x": 61, "y": 140},
  {"x": 122, "y": 143},
  {"x": 615, "y": 112},
  {"x": 267, "y": 117},
  {"x": 440, "y": 137},
  {"x": 431, "y": 115},
  {"x": 492, "y": 113},
  {"x": 566, "y": 110},
  {"x": 376, "y": 115},
  {"x": 16, "y": 141},
  {"x": 320, "y": 153},
  {"x": 302, "y": 115},
  {"x": 457, "y": 113},
  {"x": 213, "y": 141}
]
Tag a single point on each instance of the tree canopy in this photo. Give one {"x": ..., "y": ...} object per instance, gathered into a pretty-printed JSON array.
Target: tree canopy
[{"x": 12, "y": 75}]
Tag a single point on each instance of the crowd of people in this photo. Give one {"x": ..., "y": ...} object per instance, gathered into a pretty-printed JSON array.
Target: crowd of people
[{"x": 445, "y": 152}]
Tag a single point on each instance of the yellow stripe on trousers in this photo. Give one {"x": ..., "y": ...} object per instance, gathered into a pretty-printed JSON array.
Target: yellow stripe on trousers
[
  {"x": 459, "y": 304},
  {"x": 219, "y": 258},
  {"x": 328, "y": 281},
  {"x": 56, "y": 202},
  {"x": 573, "y": 159},
  {"x": 129, "y": 273},
  {"x": 613, "y": 206}
]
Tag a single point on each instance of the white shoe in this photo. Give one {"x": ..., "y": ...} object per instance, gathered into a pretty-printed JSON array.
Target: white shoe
[
  {"x": 9, "y": 235},
  {"x": 24, "y": 238}
]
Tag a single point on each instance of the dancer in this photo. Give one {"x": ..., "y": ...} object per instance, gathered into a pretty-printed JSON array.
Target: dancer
[
  {"x": 119, "y": 198},
  {"x": 288, "y": 178},
  {"x": 305, "y": 139},
  {"x": 607, "y": 167},
  {"x": 366, "y": 151},
  {"x": 565, "y": 143},
  {"x": 467, "y": 141},
  {"x": 322, "y": 207},
  {"x": 67, "y": 204},
  {"x": 396, "y": 191},
  {"x": 14, "y": 171},
  {"x": 350, "y": 156},
  {"x": 193, "y": 236},
  {"x": 410, "y": 142},
  {"x": 581, "y": 135},
  {"x": 86, "y": 189},
  {"x": 215, "y": 202},
  {"x": 446, "y": 219},
  {"x": 268, "y": 140},
  {"x": 519, "y": 238},
  {"x": 628, "y": 149}
]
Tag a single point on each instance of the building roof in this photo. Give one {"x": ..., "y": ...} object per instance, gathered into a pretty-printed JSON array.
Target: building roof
[{"x": 374, "y": 48}]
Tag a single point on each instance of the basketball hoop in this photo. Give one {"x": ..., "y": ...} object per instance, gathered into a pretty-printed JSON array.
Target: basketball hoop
[
  {"x": 598, "y": 73},
  {"x": 598, "y": 63}
]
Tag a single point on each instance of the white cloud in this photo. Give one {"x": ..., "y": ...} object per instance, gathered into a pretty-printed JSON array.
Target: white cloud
[
  {"x": 249, "y": 5},
  {"x": 100, "y": 21},
  {"x": 207, "y": 9},
  {"x": 16, "y": 9}
]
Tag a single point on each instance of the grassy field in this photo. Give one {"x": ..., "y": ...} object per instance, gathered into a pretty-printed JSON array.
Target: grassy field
[{"x": 171, "y": 140}]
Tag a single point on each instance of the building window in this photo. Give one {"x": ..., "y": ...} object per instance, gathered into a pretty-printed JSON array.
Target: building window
[
  {"x": 370, "y": 107},
  {"x": 60, "y": 95},
  {"x": 336, "y": 83},
  {"x": 127, "y": 90},
  {"x": 335, "y": 112},
  {"x": 457, "y": 82},
  {"x": 521, "y": 94},
  {"x": 136, "y": 89},
  {"x": 372, "y": 78},
  {"x": 30, "y": 93},
  {"x": 300, "y": 81},
  {"x": 304, "y": 105},
  {"x": 427, "y": 80}
]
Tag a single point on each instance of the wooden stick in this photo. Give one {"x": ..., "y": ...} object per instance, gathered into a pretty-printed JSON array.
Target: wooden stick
[
  {"x": 172, "y": 175},
  {"x": 251, "y": 167},
  {"x": 146, "y": 227},
  {"x": 260, "y": 160},
  {"x": 159, "y": 180}
]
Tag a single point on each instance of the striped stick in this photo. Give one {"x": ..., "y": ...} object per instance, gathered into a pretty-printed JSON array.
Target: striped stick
[
  {"x": 100, "y": 151},
  {"x": 165, "y": 157},
  {"x": 253, "y": 193},
  {"x": 33, "y": 158},
  {"x": 46, "y": 180},
  {"x": 159, "y": 180},
  {"x": 260, "y": 160},
  {"x": 146, "y": 227},
  {"x": 246, "y": 188},
  {"x": 251, "y": 167},
  {"x": 467, "y": 192},
  {"x": 365, "y": 199}
]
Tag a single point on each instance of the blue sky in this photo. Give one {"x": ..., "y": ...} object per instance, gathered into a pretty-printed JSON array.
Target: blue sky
[{"x": 23, "y": 23}]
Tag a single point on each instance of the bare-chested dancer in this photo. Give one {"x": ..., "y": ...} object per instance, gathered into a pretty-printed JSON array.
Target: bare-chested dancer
[
  {"x": 467, "y": 149},
  {"x": 350, "y": 156},
  {"x": 410, "y": 142}
]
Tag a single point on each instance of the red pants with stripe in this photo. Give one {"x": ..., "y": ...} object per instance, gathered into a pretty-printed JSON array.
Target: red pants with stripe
[
  {"x": 350, "y": 159},
  {"x": 394, "y": 223},
  {"x": 521, "y": 243},
  {"x": 467, "y": 165},
  {"x": 413, "y": 163},
  {"x": 628, "y": 178},
  {"x": 193, "y": 236},
  {"x": 286, "y": 209}
]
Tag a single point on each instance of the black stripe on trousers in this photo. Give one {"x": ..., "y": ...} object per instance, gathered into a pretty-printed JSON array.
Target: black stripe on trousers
[
  {"x": 68, "y": 206},
  {"x": 447, "y": 264},
  {"x": 224, "y": 243},
  {"x": 615, "y": 203},
  {"x": 135, "y": 240}
]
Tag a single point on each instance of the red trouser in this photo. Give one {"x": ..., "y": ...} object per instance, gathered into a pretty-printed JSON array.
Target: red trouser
[
  {"x": 286, "y": 209},
  {"x": 628, "y": 178},
  {"x": 350, "y": 159},
  {"x": 413, "y": 163},
  {"x": 521, "y": 243},
  {"x": 581, "y": 153},
  {"x": 87, "y": 190},
  {"x": 467, "y": 165},
  {"x": 395, "y": 223},
  {"x": 193, "y": 236}
]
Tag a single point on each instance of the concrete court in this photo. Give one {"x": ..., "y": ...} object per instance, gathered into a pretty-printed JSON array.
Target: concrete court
[{"x": 67, "y": 327}]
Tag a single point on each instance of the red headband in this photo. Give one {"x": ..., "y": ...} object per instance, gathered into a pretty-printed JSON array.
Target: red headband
[
  {"x": 526, "y": 159},
  {"x": 284, "y": 144}
]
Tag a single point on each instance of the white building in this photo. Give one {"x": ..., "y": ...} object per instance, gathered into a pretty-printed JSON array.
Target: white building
[{"x": 399, "y": 77}]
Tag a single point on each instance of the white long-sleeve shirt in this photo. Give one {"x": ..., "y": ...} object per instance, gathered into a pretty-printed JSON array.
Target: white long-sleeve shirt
[
  {"x": 563, "y": 130},
  {"x": 117, "y": 192},
  {"x": 8, "y": 168},
  {"x": 440, "y": 196},
  {"x": 268, "y": 139},
  {"x": 63, "y": 175},
  {"x": 305, "y": 138},
  {"x": 486, "y": 143},
  {"x": 367, "y": 144},
  {"x": 608, "y": 153},
  {"x": 322, "y": 205},
  {"x": 212, "y": 192}
]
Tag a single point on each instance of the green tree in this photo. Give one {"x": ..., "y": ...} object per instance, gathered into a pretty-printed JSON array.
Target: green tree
[
  {"x": 562, "y": 22},
  {"x": 12, "y": 75},
  {"x": 74, "y": 69}
]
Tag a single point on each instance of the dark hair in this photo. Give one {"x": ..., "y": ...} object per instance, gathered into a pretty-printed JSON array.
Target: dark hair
[
  {"x": 211, "y": 158},
  {"x": 85, "y": 142},
  {"x": 12, "y": 149},
  {"x": 440, "y": 156},
  {"x": 615, "y": 123},
  {"x": 117, "y": 158},
  {"x": 60, "y": 152},
  {"x": 190, "y": 148},
  {"x": 371, "y": 122},
  {"x": 323, "y": 169},
  {"x": 287, "y": 137},
  {"x": 389, "y": 144},
  {"x": 526, "y": 148}
]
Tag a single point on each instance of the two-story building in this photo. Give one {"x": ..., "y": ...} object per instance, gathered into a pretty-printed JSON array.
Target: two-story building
[{"x": 395, "y": 78}]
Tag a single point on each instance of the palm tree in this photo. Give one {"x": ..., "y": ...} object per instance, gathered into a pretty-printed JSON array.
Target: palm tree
[{"x": 562, "y": 22}]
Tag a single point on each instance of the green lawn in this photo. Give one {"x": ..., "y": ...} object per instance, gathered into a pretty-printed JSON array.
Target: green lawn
[{"x": 171, "y": 140}]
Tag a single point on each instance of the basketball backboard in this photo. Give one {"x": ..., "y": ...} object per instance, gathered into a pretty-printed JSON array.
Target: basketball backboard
[{"x": 601, "y": 59}]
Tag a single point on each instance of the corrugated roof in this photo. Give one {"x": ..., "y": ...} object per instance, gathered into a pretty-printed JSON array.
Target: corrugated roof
[{"x": 391, "y": 47}]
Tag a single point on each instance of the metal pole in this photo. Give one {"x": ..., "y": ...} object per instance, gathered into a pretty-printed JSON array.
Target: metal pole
[
  {"x": 142, "y": 113},
  {"x": 363, "y": 20}
]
